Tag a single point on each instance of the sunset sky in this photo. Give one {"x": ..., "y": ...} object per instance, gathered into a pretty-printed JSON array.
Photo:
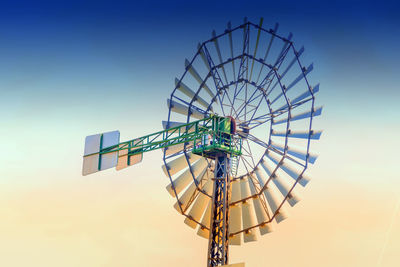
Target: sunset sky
[{"x": 69, "y": 69}]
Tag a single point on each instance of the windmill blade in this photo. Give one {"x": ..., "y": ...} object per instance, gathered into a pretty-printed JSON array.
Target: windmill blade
[
  {"x": 235, "y": 214},
  {"x": 188, "y": 92},
  {"x": 184, "y": 110},
  {"x": 261, "y": 214},
  {"x": 173, "y": 124},
  {"x": 219, "y": 55},
  {"x": 248, "y": 213},
  {"x": 179, "y": 163},
  {"x": 303, "y": 180},
  {"x": 301, "y": 97},
  {"x": 187, "y": 195},
  {"x": 294, "y": 60},
  {"x": 273, "y": 204},
  {"x": 266, "y": 167},
  {"x": 235, "y": 224},
  {"x": 298, "y": 134},
  {"x": 199, "y": 205},
  {"x": 282, "y": 186},
  {"x": 298, "y": 153},
  {"x": 268, "y": 49},
  {"x": 304, "y": 115},
  {"x": 231, "y": 47},
  {"x": 197, "y": 77},
  {"x": 292, "y": 84},
  {"x": 284, "y": 189},
  {"x": 314, "y": 90},
  {"x": 184, "y": 179},
  {"x": 256, "y": 47},
  {"x": 203, "y": 56},
  {"x": 284, "y": 48},
  {"x": 204, "y": 232}
]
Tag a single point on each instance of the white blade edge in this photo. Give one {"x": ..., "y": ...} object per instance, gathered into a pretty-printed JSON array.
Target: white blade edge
[
  {"x": 93, "y": 144},
  {"x": 203, "y": 56},
  {"x": 236, "y": 194},
  {"x": 248, "y": 214},
  {"x": 303, "y": 115},
  {"x": 296, "y": 152},
  {"x": 184, "y": 179},
  {"x": 199, "y": 205},
  {"x": 231, "y": 47},
  {"x": 173, "y": 124},
  {"x": 197, "y": 77},
  {"x": 184, "y": 199},
  {"x": 303, "y": 180},
  {"x": 179, "y": 163},
  {"x": 299, "y": 98},
  {"x": 273, "y": 204},
  {"x": 235, "y": 224},
  {"x": 184, "y": 110},
  {"x": 315, "y": 135},
  {"x": 219, "y": 55},
  {"x": 284, "y": 189},
  {"x": 292, "y": 84},
  {"x": 261, "y": 214},
  {"x": 203, "y": 232},
  {"x": 189, "y": 92}
]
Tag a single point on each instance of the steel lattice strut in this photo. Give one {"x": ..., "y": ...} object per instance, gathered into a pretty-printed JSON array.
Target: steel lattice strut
[{"x": 218, "y": 246}]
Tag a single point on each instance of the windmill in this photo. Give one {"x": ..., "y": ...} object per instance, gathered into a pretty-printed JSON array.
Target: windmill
[{"x": 237, "y": 139}]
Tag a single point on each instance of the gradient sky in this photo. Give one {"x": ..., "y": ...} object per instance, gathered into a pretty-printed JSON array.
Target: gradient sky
[{"x": 72, "y": 68}]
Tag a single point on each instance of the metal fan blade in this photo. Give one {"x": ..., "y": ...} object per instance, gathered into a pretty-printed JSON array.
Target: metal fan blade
[
  {"x": 314, "y": 90},
  {"x": 235, "y": 214},
  {"x": 284, "y": 48},
  {"x": 184, "y": 179},
  {"x": 203, "y": 57},
  {"x": 256, "y": 47},
  {"x": 267, "y": 169},
  {"x": 197, "y": 77},
  {"x": 187, "y": 91},
  {"x": 299, "y": 134},
  {"x": 301, "y": 76},
  {"x": 292, "y": 84},
  {"x": 284, "y": 189},
  {"x": 268, "y": 49},
  {"x": 294, "y": 60},
  {"x": 273, "y": 204},
  {"x": 184, "y": 110},
  {"x": 303, "y": 115},
  {"x": 180, "y": 163},
  {"x": 187, "y": 195},
  {"x": 203, "y": 232},
  {"x": 298, "y": 153},
  {"x": 235, "y": 224},
  {"x": 176, "y": 148},
  {"x": 248, "y": 214},
  {"x": 303, "y": 180},
  {"x": 231, "y": 46},
  {"x": 199, "y": 205},
  {"x": 236, "y": 193},
  {"x": 173, "y": 124},
  {"x": 261, "y": 213},
  {"x": 260, "y": 177},
  {"x": 219, "y": 55}
]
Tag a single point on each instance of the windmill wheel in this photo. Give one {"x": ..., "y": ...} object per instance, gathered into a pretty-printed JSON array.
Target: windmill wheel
[{"x": 255, "y": 76}]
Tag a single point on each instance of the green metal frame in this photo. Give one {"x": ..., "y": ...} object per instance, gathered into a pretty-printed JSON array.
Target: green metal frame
[{"x": 218, "y": 128}]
